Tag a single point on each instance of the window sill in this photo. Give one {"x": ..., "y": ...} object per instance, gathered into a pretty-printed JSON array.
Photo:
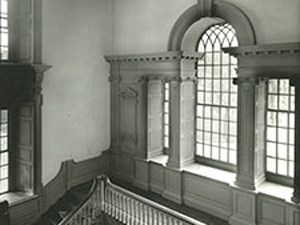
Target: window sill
[
  {"x": 211, "y": 173},
  {"x": 15, "y": 198},
  {"x": 161, "y": 159},
  {"x": 276, "y": 190},
  {"x": 268, "y": 188}
]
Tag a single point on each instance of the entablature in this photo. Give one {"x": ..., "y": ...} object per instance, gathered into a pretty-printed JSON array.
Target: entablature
[
  {"x": 165, "y": 65},
  {"x": 268, "y": 60}
]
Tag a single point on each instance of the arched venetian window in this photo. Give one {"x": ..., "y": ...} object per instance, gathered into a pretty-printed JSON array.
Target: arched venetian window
[{"x": 216, "y": 106}]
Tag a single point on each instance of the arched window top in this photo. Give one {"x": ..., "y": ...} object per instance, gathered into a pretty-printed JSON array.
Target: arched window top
[
  {"x": 217, "y": 37},
  {"x": 185, "y": 31}
]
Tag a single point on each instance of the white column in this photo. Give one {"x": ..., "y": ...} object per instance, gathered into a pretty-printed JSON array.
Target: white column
[
  {"x": 296, "y": 194},
  {"x": 250, "y": 163}
]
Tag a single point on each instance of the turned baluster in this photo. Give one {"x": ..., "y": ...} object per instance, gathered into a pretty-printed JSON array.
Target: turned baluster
[
  {"x": 137, "y": 210},
  {"x": 109, "y": 201},
  {"x": 117, "y": 206},
  {"x": 113, "y": 203},
  {"x": 146, "y": 214},
  {"x": 172, "y": 220},
  {"x": 150, "y": 219},
  {"x": 127, "y": 221},
  {"x": 154, "y": 217},
  {"x": 105, "y": 201},
  {"x": 160, "y": 222},
  {"x": 94, "y": 206},
  {"x": 131, "y": 212},
  {"x": 123, "y": 208},
  {"x": 140, "y": 206}
]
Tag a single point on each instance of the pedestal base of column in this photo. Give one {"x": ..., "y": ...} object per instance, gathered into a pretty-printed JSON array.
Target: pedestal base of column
[
  {"x": 175, "y": 165},
  {"x": 173, "y": 184},
  {"x": 141, "y": 174},
  {"x": 296, "y": 197},
  {"x": 244, "y": 208}
]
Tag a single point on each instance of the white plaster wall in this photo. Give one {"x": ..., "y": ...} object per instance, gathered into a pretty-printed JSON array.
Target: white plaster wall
[
  {"x": 142, "y": 26},
  {"x": 275, "y": 21},
  {"x": 76, "y": 121}
]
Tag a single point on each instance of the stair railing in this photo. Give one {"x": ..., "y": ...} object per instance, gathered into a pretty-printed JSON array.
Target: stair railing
[
  {"x": 125, "y": 207},
  {"x": 86, "y": 212}
]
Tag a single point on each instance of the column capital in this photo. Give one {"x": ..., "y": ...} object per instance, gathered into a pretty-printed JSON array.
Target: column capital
[{"x": 114, "y": 79}]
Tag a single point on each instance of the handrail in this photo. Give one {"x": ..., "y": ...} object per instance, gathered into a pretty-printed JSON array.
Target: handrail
[
  {"x": 76, "y": 210},
  {"x": 155, "y": 205},
  {"x": 123, "y": 206}
]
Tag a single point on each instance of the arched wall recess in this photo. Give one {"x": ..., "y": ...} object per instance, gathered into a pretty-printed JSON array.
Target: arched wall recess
[{"x": 186, "y": 31}]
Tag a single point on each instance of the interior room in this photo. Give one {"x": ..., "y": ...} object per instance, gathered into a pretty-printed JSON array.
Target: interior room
[{"x": 150, "y": 112}]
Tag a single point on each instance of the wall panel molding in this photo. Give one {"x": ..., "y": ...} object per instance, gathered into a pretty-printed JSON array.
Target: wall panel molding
[{"x": 71, "y": 174}]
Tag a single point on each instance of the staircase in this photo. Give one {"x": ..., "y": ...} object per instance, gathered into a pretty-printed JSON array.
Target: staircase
[
  {"x": 65, "y": 205},
  {"x": 104, "y": 203}
]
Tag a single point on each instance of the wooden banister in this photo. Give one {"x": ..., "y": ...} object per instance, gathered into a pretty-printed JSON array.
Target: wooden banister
[{"x": 123, "y": 206}]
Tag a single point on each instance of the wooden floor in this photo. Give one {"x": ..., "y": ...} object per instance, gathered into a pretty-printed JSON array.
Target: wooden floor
[{"x": 196, "y": 214}]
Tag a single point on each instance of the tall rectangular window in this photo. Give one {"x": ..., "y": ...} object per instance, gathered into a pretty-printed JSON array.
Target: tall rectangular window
[
  {"x": 166, "y": 106},
  {"x": 4, "y": 151},
  {"x": 280, "y": 125},
  {"x": 3, "y": 29}
]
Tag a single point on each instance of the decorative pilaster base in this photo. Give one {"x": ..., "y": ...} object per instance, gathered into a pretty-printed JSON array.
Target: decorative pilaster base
[
  {"x": 173, "y": 183},
  {"x": 141, "y": 176},
  {"x": 296, "y": 197},
  {"x": 244, "y": 205}
]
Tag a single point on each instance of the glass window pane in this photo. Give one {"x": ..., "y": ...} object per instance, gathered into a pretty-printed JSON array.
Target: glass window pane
[
  {"x": 215, "y": 153},
  {"x": 207, "y": 151},
  {"x": 282, "y": 119},
  {"x": 3, "y": 186},
  {"x": 3, "y": 143},
  {"x": 232, "y": 157},
  {"x": 271, "y": 165},
  {"x": 199, "y": 150},
  {"x": 271, "y": 134},
  {"x": 284, "y": 102},
  {"x": 282, "y": 151},
  {"x": 272, "y": 118},
  {"x": 282, "y": 135},
  {"x": 3, "y": 172},
  {"x": 282, "y": 167},
  {"x": 291, "y": 169},
  {"x": 272, "y": 102},
  {"x": 3, "y": 158},
  {"x": 271, "y": 149}
]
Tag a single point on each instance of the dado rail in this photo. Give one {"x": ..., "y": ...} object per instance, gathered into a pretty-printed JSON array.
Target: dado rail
[{"x": 124, "y": 206}]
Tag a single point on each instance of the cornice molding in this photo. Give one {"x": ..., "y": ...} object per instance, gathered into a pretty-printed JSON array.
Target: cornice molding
[
  {"x": 267, "y": 49},
  {"x": 164, "y": 56}
]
